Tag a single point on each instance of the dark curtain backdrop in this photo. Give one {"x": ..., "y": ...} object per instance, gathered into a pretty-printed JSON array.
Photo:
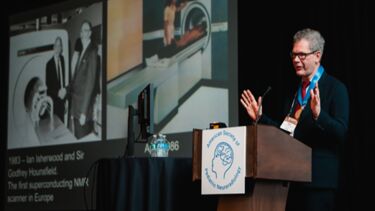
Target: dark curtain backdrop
[
  {"x": 265, "y": 37},
  {"x": 265, "y": 31}
]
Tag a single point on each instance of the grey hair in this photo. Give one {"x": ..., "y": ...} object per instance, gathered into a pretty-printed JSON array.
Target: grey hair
[{"x": 315, "y": 39}]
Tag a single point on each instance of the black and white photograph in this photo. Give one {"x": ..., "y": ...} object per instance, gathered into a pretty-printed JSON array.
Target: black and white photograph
[{"x": 55, "y": 91}]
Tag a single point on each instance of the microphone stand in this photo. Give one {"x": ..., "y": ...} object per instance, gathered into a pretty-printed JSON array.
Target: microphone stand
[{"x": 260, "y": 105}]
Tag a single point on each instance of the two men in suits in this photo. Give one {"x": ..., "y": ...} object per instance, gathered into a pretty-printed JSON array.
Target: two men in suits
[{"x": 317, "y": 114}]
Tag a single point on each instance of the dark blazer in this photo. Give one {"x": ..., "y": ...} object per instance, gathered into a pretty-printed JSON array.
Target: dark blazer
[
  {"x": 326, "y": 134},
  {"x": 53, "y": 86},
  {"x": 83, "y": 88}
]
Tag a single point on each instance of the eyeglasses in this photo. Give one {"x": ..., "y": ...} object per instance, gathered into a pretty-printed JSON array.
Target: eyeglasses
[{"x": 301, "y": 56}]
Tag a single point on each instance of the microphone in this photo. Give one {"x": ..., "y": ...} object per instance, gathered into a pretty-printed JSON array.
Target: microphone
[{"x": 260, "y": 104}]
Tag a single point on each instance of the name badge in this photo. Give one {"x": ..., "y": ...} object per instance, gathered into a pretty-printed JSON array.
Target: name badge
[{"x": 289, "y": 124}]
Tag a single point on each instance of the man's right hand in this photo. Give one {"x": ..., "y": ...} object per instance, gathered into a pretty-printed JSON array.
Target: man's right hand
[
  {"x": 250, "y": 104},
  {"x": 82, "y": 119}
]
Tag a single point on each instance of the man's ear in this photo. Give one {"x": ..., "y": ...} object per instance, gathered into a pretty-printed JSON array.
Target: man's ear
[{"x": 318, "y": 55}]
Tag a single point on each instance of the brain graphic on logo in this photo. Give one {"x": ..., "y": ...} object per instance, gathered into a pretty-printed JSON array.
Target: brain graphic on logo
[{"x": 223, "y": 158}]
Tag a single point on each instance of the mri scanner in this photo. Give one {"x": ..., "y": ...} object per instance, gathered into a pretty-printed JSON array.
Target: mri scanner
[
  {"x": 30, "y": 111},
  {"x": 194, "y": 14},
  {"x": 173, "y": 76}
]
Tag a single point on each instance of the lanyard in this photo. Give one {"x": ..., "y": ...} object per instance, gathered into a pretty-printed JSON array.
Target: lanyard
[
  {"x": 313, "y": 81},
  {"x": 292, "y": 106}
]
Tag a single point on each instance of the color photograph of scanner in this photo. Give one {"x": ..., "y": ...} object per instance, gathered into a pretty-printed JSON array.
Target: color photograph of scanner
[{"x": 193, "y": 82}]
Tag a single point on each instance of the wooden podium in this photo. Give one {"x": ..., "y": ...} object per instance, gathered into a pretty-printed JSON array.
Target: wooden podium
[{"x": 273, "y": 158}]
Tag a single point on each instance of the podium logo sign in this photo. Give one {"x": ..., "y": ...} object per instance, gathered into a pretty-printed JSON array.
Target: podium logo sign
[{"x": 223, "y": 161}]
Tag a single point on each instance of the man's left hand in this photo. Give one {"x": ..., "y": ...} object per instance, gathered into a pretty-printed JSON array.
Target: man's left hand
[{"x": 315, "y": 102}]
